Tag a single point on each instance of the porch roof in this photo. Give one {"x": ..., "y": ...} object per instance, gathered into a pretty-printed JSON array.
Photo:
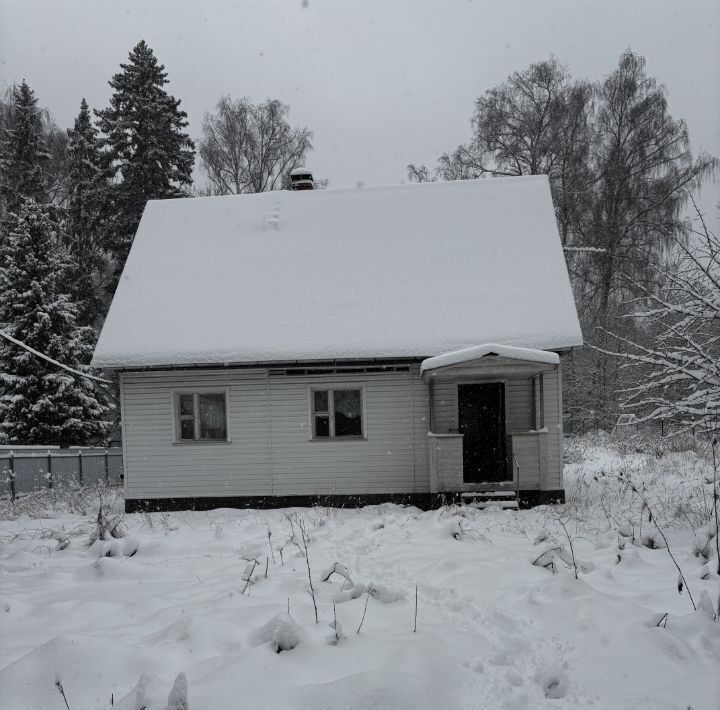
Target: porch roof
[{"x": 488, "y": 354}]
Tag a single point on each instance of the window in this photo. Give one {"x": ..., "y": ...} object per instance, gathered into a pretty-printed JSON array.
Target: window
[
  {"x": 337, "y": 413},
  {"x": 201, "y": 416}
]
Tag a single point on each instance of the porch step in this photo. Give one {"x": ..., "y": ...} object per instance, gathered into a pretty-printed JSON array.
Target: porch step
[{"x": 491, "y": 499}]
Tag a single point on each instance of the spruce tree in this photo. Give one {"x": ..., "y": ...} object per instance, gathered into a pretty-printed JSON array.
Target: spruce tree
[
  {"x": 23, "y": 153},
  {"x": 86, "y": 205},
  {"x": 41, "y": 403},
  {"x": 145, "y": 144}
]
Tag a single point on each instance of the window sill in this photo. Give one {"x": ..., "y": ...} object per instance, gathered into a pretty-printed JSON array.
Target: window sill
[
  {"x": 331, "y": 439},
  {"x": 202, "y": 442}
]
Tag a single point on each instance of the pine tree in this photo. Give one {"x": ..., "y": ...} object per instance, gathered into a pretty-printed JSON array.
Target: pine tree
[
  {"x": 39, "y": 402},
  {"x": 23, "y": 153},
  {"x": 87, "y": 195},
  {"x": 145, "y": 144}
]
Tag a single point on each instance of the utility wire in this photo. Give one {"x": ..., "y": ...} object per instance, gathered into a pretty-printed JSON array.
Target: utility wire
[{"x": 15, "y": 341}]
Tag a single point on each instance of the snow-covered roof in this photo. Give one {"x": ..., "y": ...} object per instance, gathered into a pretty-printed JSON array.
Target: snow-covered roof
[
  {"x": 457, "y": 357},
  {"x": 372, "y": 272}
]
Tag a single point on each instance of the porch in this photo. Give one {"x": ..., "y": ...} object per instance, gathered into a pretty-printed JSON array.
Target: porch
[{"x": 494, "y": 420}]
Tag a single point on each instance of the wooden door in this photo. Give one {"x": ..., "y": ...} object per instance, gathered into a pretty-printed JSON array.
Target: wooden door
[{"x": 481, "y": 416}]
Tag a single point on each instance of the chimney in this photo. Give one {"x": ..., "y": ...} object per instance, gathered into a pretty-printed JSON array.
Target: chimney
[{"x": 301, "y": 179}]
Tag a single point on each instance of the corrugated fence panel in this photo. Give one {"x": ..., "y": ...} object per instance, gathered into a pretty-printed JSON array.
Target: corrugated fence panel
[{"x": 31, "y": 468}]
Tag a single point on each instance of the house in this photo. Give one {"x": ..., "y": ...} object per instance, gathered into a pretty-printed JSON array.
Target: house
[{"x": 351, "y": 345}]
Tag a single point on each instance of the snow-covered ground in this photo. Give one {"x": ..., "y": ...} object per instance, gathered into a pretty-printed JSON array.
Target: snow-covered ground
[{"x": 493, "y": 630}]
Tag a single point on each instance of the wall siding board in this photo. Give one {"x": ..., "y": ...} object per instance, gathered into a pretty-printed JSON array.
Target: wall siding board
[
  {"x": 158, "y": 468},
  {"x": 271, "y": 451},
  {"x": 421, "y": 419},
  {"x": 384, "y": 462},
  {"x": 553, "y": 423}
]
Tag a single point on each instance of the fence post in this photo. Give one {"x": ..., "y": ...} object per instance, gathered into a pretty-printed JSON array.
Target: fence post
[
  {"x": 12, "y": 475},
  {"x": 80, "y": 470},
  {"x": 49, "y": 470},
  {"x": 107, "y": 468}
]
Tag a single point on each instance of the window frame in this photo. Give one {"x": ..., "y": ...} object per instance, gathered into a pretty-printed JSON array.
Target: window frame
[
  {"x": 330, "y": 388},
  {"x": 177, "y": 417}
]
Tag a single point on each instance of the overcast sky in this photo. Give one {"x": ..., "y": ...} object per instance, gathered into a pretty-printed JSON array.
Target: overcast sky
[{"x": 381, "y": 82}]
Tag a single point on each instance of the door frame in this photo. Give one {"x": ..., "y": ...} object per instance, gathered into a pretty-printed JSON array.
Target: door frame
[{"x": 511, "y": 480}]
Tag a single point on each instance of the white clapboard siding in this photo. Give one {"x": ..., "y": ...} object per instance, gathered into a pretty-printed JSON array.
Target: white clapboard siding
[
  {"x": 527, "y": 451},
  {"x": 553, "y": 423},
  {"x": 156, "y": 467},
  {"x": 271, "y": 451},
  {"x": 421, "y": 417},
  {"x": 383, "y": 462}
]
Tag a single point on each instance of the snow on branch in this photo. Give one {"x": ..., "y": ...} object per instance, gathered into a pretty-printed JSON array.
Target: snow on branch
[
  {"x": 19, "y": 343},
  {"x": 679, "y": 363}
]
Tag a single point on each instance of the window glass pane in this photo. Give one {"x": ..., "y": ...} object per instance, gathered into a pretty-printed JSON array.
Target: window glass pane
[
  {"x": 322, "y": 426},
  {"x": 348, "y": 413},
  {"x": 186, "y": 405},
  {"x": 187, "y": 428},
  {"x": 321, "y": 400},
  {"x": 212, "y": 416}
]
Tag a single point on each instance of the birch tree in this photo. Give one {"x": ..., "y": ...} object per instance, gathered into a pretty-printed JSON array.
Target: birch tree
[
  {"x": 248, "y": 147},
  {"x": 536, "y": 122},
  {"x": 646, "y": 173},
  {"x": 679, "y": 358}
]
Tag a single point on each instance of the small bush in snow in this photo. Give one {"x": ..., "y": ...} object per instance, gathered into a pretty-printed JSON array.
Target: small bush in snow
[
  {"x": 703, "y": 544},
  {"x": 341, "y": 570},
  {"x": 61, "y": 690},
  {"x": 336, "y": 626},
  {"x": 281, "y": 632},
  {"x": 653, "y": 540}
]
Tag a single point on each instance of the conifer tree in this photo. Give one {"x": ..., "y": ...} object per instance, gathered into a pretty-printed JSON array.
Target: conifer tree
[
  {"x": 87, "y": 196},
  {"x": 39, "y": 402},
  {"x": 23, "y": 153},
  {"x": 145, "y": 142}
]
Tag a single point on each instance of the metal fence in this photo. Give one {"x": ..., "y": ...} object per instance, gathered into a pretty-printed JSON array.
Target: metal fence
[{"x": 30, "y": 469}]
